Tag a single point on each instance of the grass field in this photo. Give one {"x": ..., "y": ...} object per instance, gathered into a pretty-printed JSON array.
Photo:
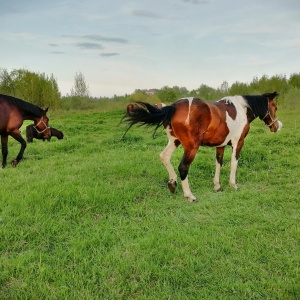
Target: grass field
[{"x": 91, "y": 217}]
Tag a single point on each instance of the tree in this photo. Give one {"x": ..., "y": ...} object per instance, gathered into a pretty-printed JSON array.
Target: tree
[
  {"x": 81, "y": 88},
  {"x": 36, "y": 88},
  {"x": 294, "y": 80},
  {"x": 167, "y": 95},
  {"x": 224, "y": 88},
  {"x": 239, "y": 88}
]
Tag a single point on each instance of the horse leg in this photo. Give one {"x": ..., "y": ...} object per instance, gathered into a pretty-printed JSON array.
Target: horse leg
[
  {"x": 236, "y": 149},
  {"x": 4, "y": 139},
  {"x": 165, "y": 157},
  {"x": 219, "y": 162},
  {"x": 183, "y": 168},
  {"x": 17, "y": 136}
]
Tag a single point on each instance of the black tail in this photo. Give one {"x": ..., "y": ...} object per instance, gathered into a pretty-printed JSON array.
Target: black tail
[{"x": 146, "y": 114}]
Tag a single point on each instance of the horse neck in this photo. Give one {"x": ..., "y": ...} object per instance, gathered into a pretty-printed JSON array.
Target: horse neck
[
  {"x": 250, "y": 115},
  {"x": 26, "y": 116}
]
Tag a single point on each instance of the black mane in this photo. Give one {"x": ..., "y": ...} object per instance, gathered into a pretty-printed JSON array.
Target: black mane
[
  {"x": 25, "y": 106},
  {"x": 258, "y": 104}
]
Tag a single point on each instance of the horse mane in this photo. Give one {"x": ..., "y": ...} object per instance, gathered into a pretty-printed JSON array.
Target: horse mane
[
  {"x": 25, "y": 106},
  {"x": 258, "y": 104}
]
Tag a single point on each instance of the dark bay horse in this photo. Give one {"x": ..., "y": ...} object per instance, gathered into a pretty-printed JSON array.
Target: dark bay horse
[
  {"x": 193, "y": 122},
  {"x": 13, "y": 112},
  {"x": 32, "y": 133}
]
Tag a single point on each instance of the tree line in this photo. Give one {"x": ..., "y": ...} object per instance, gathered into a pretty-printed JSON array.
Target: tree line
[{"x": 42, "y": 90}]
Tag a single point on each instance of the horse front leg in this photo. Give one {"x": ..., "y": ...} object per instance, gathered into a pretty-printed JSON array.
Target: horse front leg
[
  {"x": 4, "y": 140},
  {"x": 236, "y": 149},
  {"x": 219, "y": 163},
  {"x": 165, "y": 157},
  {"x": 17, "y": 136},
  {"x": 183, "y": 168}
]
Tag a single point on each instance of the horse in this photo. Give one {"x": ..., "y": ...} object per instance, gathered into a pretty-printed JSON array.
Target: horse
[
  {"x": 31, "y": 133},
  {"x": 192, "y": 122},
  {"x": 13, "y": 112}
]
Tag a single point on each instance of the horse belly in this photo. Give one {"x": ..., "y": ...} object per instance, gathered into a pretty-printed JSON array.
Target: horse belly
[{"x": 215, "y": 137}]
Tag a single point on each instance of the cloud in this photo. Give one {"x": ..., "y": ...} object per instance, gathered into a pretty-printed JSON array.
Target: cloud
[
  {"x": 109, "y": 54},
  {"x": 89, "y": 46},
  {"x": 96, "y": 37},
  {"x": 53, "y": 45},
  {"x": 196, "y": 1},
  {"x": 146, "y": 13},
  {"x": 57, "y": 52}
]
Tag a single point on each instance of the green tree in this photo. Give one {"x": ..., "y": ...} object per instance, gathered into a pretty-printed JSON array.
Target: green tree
[
  {"x": 206, "y": 92},
  {"x": 239, "y": 88},
  {"x": 36, "y": 88},
  {"x": 80, "y": 88},
  {"x": 294, "y": 80},
  {"x": 167, "y": 95}
]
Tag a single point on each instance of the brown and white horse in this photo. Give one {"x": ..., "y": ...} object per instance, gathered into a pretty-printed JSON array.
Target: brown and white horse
[{"x": 193, "y": 122}]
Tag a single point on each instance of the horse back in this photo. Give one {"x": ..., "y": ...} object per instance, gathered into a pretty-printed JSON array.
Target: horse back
[{"x": 199, "y": 122}]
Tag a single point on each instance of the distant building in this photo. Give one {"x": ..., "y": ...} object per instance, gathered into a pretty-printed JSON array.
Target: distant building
[{"x": 151, "y": 91}]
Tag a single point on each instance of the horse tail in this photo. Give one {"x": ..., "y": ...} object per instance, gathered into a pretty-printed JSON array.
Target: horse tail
[{"x": 146, "y": 114}]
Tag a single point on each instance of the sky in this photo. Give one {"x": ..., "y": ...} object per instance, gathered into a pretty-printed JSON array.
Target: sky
[{"x": 120, "y": 46}]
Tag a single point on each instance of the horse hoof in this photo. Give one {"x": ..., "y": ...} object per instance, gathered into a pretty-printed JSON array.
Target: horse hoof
[
  {"x": 14, "y": 163},
  {"x": 172, "y": 185},
  {"x": 217, "y": 188},
  {"x": 192, "y": 200},
  {"x": 234, "y": 186}
]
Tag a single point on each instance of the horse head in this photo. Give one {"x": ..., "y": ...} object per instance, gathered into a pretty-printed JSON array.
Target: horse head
[
  {"x": 41, "y": 125},
  {"x": 270, "y": 118}
]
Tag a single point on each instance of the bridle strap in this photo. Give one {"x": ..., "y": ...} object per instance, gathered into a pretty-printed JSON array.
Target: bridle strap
[
  {"x": 41, "y": 121},
  {"x": 273, "y": 121}
]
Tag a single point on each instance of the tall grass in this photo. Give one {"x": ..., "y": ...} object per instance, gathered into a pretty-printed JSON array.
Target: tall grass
[{"x": 90, "y": 217}]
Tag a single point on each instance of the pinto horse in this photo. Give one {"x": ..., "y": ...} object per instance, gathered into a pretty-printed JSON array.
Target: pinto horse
[
  {"x": 193, "y": 122},
  {"x": 13, "y": 112}
]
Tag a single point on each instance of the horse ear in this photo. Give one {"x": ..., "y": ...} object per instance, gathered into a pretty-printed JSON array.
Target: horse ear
[{"x": 45, "y": 111}]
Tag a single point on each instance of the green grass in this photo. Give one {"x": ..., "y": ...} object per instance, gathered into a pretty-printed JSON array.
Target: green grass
[{"x": 91, "y": 217}]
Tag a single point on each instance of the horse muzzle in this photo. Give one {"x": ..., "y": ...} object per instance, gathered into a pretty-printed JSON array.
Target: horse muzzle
[{"x": 277, "y": 126}]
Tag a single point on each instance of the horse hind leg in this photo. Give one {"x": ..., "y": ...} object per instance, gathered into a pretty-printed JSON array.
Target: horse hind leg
[
  {"x": 183, "y": 168},
  {"x": 165, "y": 157},
  {"x": 4, "y": 139}
]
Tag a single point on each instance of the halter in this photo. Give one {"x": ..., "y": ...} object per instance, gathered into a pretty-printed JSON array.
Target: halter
[
  {"x": 273, "y": 120},
  {"x": 41, "y": 121}
]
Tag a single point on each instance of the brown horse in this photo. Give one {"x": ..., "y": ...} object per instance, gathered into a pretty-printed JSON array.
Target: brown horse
[
  {"x": 193, "y": 122},
  {"x": 32, "y": 133},
  {"x": 13, "y": 112}
]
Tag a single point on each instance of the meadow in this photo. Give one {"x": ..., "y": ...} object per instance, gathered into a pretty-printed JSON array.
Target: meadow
[{"x": 91, "y": 217}]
